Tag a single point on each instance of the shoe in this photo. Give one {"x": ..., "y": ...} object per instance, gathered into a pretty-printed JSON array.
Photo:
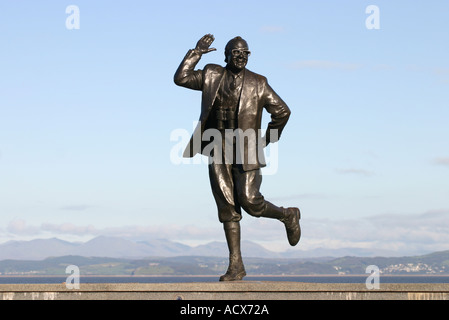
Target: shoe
[
  {"x": 291, "y": 221},
  {"x": 236, "y": 270},
  {"x": 233, "y": 275}
]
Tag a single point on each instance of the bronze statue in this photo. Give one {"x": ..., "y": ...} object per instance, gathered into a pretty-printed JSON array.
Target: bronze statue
[{"x": 233, "y": 99}]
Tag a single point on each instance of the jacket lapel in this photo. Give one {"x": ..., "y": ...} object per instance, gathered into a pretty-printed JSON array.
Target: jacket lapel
[
  {"x": 210, "y": 90},
  {"x": 248, "y": 88}
]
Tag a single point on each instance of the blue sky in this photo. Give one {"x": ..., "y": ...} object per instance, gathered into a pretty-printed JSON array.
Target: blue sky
[{"x": 86, "y": 117}]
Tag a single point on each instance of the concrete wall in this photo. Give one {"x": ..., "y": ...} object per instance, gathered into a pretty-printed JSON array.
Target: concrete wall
[{"x": 242, "y": 290}]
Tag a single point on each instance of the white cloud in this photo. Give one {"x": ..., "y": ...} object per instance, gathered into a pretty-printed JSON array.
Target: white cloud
[
  {"x": 423, "y": 232},
  {"x": 20, "y": 227},
  {"x": 442, "y": 161},
  {"x": 69, "y": 228},
  {"x": 403, "y": 233},
  {"x": 172, "y": 232}
]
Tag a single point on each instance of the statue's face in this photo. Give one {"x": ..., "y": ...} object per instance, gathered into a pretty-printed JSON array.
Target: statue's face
[{"x": 238, "y": 56}]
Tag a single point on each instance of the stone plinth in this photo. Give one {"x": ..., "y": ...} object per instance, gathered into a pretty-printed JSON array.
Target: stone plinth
[{"x": 241, "y": 290}]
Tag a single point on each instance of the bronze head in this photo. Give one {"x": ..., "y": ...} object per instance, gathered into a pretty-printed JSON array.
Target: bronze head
[{"x": 237, "y": 53}]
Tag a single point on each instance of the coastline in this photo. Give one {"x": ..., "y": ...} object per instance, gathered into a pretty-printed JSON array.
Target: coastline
[{"x": 213, "y": 276}]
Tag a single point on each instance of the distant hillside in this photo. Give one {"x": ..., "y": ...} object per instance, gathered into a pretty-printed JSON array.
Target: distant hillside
[
  {"x": 436, "y": 263},
  {"x": 115, "y": 247}
]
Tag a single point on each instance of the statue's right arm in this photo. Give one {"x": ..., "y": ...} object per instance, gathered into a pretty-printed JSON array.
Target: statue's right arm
[{"x": 186, "y": 76}]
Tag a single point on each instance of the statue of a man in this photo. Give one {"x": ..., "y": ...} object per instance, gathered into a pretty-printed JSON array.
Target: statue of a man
[{"x": 233, "y": 99}]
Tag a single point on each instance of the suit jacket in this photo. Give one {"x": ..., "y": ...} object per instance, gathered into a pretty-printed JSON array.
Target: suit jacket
[{"x": 256, "y": 95}]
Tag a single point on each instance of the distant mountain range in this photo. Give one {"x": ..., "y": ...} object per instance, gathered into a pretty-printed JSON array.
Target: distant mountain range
[
  {"x": 432, "y": 264},
  {"x": 114, "y": 247},
  {"x": 117, "y": 256}
]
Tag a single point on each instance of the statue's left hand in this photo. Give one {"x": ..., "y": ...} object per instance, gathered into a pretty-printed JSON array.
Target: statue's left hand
[{"x": 204, "y": 43}]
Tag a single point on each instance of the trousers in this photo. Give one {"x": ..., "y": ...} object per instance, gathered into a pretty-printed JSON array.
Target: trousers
[{"x": 235, "y": 189}]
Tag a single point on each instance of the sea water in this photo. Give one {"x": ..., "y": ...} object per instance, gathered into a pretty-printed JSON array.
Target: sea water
[{"x": 184, "y": 279}]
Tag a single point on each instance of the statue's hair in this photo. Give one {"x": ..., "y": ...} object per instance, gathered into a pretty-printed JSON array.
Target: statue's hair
[{"x": 231, "y": 43}]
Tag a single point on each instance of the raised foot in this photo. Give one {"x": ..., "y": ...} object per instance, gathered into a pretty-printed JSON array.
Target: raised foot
[{"x": 291, "y": 221}]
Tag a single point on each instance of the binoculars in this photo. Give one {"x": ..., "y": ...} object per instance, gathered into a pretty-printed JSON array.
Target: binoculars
[{"x": 226, "y": 118}]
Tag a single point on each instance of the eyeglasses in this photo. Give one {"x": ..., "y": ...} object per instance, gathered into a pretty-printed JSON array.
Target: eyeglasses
[{"x": 237, "y": 52}]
